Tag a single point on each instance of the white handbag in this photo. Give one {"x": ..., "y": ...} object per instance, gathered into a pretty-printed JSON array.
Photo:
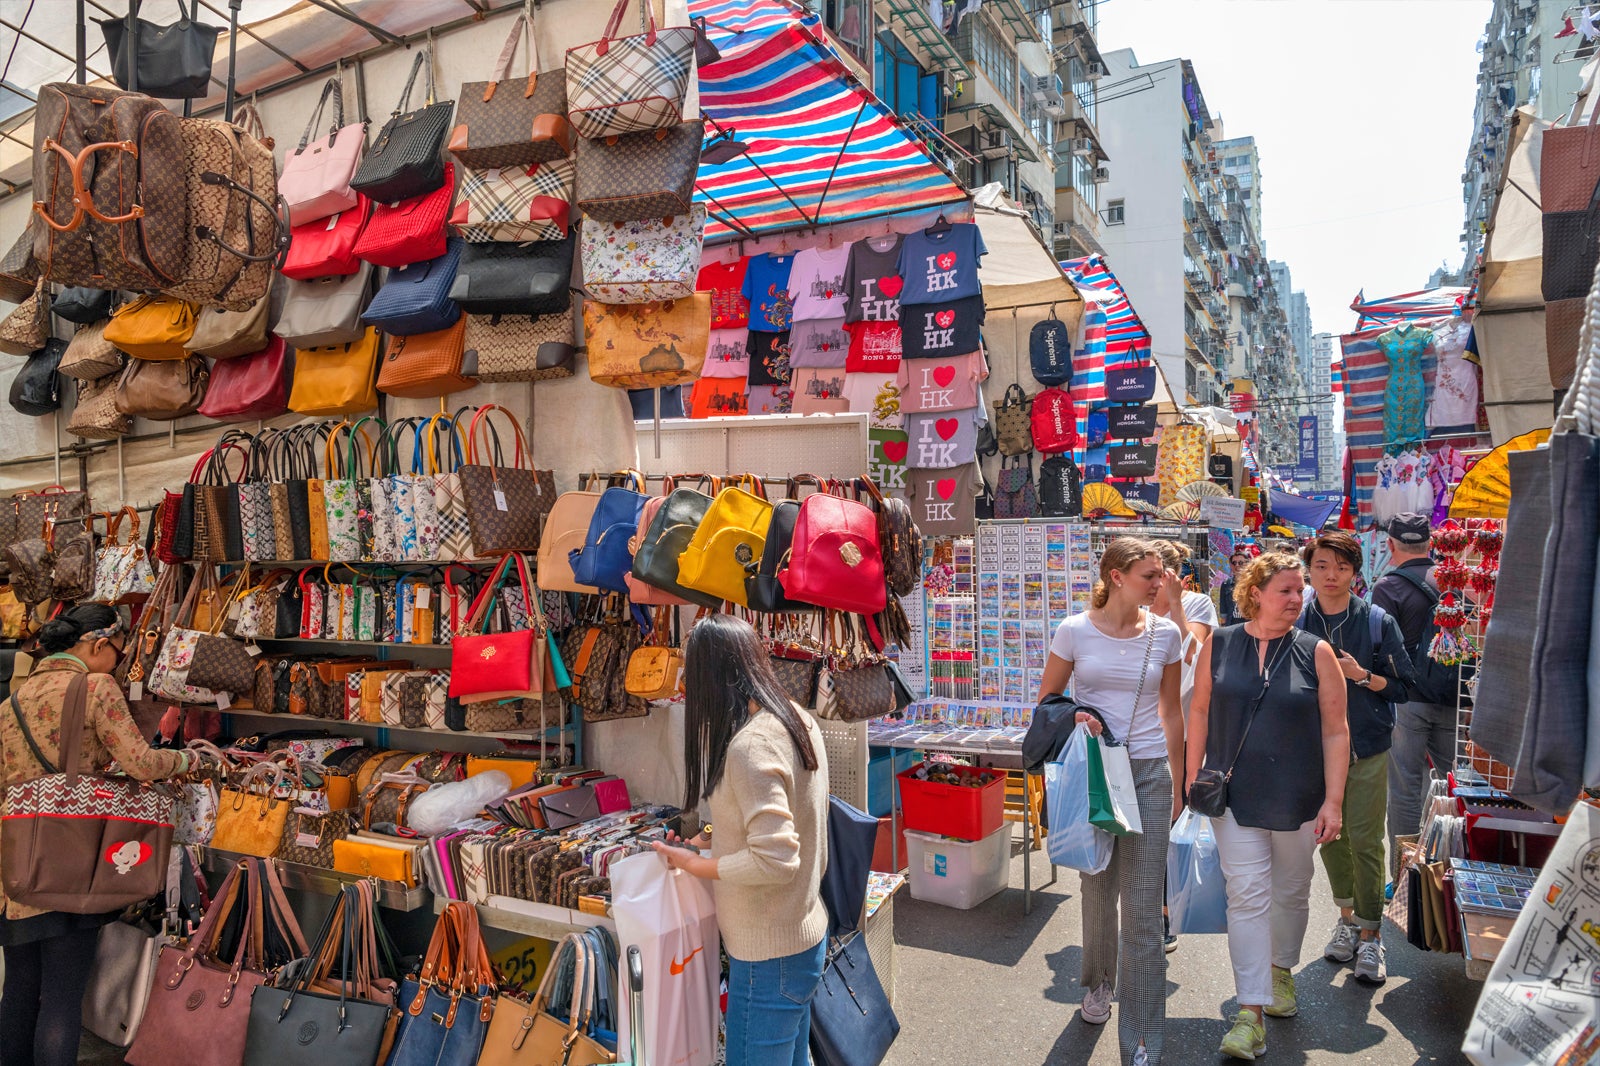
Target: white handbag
[
  {"x": 642, "y": 261},
  {"x": 122, "y": 570}
]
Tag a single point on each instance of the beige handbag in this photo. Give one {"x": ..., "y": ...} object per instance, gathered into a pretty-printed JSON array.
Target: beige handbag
[
  {"x": 520, "y": 347},
  {"x": 89, "y": 356},
  {"x": 95, "y": 415},
  {"x": 223, "y": 334},
  {"x": 26, "y": 328}
]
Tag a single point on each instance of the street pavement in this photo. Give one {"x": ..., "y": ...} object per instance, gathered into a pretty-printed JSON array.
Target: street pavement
[{"x": 992, "y": 985}]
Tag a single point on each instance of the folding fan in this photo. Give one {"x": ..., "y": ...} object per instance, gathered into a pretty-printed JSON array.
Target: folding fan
[
  {"x": 1195, "y": 491},
  {"x": 1486, "y": 490},
  {"x": 1100, "y": 500}
]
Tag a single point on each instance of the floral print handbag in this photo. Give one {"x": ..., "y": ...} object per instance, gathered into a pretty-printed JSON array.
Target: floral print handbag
[{"x": 644, "y": 260}]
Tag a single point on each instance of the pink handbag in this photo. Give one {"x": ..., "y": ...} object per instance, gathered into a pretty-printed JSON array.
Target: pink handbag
[
  {"x": 316, "y": 176},
  {"x": 638, "y": 591}
]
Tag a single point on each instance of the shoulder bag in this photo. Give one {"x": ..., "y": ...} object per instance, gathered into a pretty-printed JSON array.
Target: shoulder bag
[
  {"x": 506, "y": 505},
  {"x": 19, "y": 270},
  {"x": 82, "y": 305},
  {"x": 623, "y": 84},
  {"x": 416, "y": 298},
  {"x": 162, "y": 390},
  {"x": 520, "y": 347},
  {"x": 564, "y": 531},
  {"x": 1131, "y": 383},
  {"x": 1012, "y": 414},
  {"x": 640, "y": 175},
  {"x": 526, "y": 1034},
  {"x": 251, "y": 387},
  {"x": 171, "y": 62},
  {"x": 223, "y": 334},
  {"x": 95, "y": 415},
  {"x": 315, "y": 181},
  {"x": 457, "y": 981},
  {"x": 72, "y": 559},
  {"x": 834, "y": 559},
  {"x": 405, "y": 159},
  {"x": 604, "y": 555},
  {"x": 644, "y": 260},
  {"x": 410, "y": 230},
  {"x": 515, "y": 279},
  {"x": 27, "y": 327},
  {"x": 508, "y": 665},
  {"x": 655, "y": 559},
  {"x": 449, "y": 503},
  {"x": 852, "y": 1021},
  {"x": 152, "y": 327},
  {"x": 326, "y": 310},
  {"x": 729, "y": 538},
  {"x": 506, "y": 122},
  {"x": 89, "y": 356},
  {"x": 36, "y": 390},
  {"x": 531, "y": 202},
  {"x": 338, "y": 379},
  {"x": 647, "y": 346},
  {"x": 326, "y": 247}
]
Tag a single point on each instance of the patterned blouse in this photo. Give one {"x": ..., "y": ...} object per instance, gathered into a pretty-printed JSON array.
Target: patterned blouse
[{"x": 109, "y": 733}]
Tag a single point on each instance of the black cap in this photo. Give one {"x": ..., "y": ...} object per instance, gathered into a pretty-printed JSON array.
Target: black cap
[{"x": 1409, "y": 527}]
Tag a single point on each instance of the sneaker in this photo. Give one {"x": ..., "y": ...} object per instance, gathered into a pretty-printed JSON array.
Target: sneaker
[
  {"x": 1169, "y": 939},
  {"x": 1247, "y": 1039},
  {"x": 1369, "y": 962},
  {"x": 1342, "y": 948},
  {"x": 1284, "y": 1004},
  {"x": 1096, "y": 1008}
]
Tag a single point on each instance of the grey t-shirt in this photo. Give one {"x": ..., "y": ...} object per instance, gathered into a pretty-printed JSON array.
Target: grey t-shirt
[
  {"x": 872, "y": 279},
  {"x": 941, "y": 501},
  {"x": 818, "y": 342},
  {"x": 943, "y": 439}
]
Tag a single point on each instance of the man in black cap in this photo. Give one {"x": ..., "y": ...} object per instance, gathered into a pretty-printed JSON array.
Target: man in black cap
[{"x": 1425, "y": 727}]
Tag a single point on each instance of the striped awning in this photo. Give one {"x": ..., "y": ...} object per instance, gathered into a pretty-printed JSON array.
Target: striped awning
[
  {"x": 1124, "y": 329},
  {"x": 1408, "y": 307},
  {"x": 822, "y": 149}
]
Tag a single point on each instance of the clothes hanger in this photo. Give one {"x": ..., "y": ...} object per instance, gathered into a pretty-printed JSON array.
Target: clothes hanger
[{"x": 939, "y": 228}]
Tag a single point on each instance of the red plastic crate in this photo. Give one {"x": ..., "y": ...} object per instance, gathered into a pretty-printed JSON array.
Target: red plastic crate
[{"x": 953, "y": 810}]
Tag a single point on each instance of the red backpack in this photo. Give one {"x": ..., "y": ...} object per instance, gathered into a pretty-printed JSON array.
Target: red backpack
[
  {"x": 834, "y": 559},
  {"x": 1055, "y": 421}
]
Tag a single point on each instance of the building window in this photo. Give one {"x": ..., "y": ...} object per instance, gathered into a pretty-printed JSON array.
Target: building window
[
  {"x": 850, "y": 22},
  {"x": 1115, "y": 213},
  {"x": 902, "y": 84},
  {"x": 995, "y": 58}
]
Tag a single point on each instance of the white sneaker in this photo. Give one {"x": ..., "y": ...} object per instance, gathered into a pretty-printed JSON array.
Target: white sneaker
[
  {"x": 1096, "y": 1008},
  {"x": 1370, "y": 967},
  {"x": 1342, "y": 948}
]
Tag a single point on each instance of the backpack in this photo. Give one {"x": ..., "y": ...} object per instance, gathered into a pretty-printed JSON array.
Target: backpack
[
  {"x": 1010, "y": 421},
  {"x": 606, "y": 557},
  {"x": 1060, "y": 487},
  {"x": 1050, "y": 352},
  {"x": 900, "y": 540},
  {"x": 1055, "y": 421},
  {"x": 1436, "y": 682},
  {"x": 1014, "y": 494},
  {"x": 729, "y": 538},
  {"x": 835, "y": 560}
]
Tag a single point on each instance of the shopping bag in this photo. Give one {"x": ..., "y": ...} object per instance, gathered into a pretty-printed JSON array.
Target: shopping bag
[
  {"x": 1114, "y": 803},
  {"x": 1074, "y": 841},
  {"x": 670, "y": 916},
  {"x": 1197, "y": 893}
]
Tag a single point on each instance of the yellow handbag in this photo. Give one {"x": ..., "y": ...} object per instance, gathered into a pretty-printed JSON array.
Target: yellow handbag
[
  {"x": 14, "y": 621},
  {"x": 647, "y": 346},
  {"x": 729, "y": 538},
  {"x": 338, "y": 380},
  {"x": 366, "y": 857},
  {"x": 250, "y": 817},
  {"x": 152, "y": 327}
]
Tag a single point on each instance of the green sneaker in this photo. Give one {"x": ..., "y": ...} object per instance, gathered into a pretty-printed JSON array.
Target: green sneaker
[
  {"x": 1247, "y": 1039},
  {"x": 1284, "y": 1004}
]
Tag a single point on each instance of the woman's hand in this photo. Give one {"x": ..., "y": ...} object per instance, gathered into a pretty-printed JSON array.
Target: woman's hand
[
  {"x": 1177, "y": 805},
  {"x": 1084, "y": 718},
  {"x": 1350, "y": 668},
  {"x": 1329, "y": 822},
  {"x": 701, "y": 842}
]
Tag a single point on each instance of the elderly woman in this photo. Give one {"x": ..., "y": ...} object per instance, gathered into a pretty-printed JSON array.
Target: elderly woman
[{"x": 1269, "y": 708}]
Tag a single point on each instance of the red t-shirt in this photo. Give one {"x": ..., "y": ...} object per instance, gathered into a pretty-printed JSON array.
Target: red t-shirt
[
  {"x": 874, "y": 347},
  {"x": 723, "y": 281}
]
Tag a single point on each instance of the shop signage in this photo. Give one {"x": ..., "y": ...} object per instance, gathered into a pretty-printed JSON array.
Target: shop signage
[
  {"x": 1307, "y": 466},
  {"x": 1223, "y": 511},
  {"x": 1251, "y": 494}
]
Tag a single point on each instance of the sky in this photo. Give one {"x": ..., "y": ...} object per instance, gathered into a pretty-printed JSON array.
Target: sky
[{"x": 1361, "y": 111}]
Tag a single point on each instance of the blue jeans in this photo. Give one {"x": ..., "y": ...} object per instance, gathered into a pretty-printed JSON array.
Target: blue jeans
[{"x": 769, "y": 1008}]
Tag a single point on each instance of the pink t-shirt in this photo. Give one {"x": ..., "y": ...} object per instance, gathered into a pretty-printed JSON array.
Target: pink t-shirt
[{"x": 941, "y": 384}]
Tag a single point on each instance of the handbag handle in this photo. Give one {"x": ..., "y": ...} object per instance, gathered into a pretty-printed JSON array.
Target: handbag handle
[
  {"x": 647, "y": 22},
  {"x": 354, "y": 467},
  {"x": 437, "y": 424},
  {"x": 424, "y": 55},
  {"x": 502, "y": 69},
  {"x": 472, "y": 437},
  {"x": 332, "y": 87}
]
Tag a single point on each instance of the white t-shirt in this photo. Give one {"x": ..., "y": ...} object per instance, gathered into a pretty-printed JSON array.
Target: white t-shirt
[
  {"x": 1197, "y": 607},
  {"x": 1105, "y": 675},
  {"x": 817, "y": 283}
]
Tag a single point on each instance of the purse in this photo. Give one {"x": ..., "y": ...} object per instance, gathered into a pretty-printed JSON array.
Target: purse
[
  {"x": 162, "y": 390},
  {"x": 36, "y": 389},
  {"x": 315, "y": 180},
  {"x": 1131, "y": 460},
  {"x": 410, "y": 230},
  {"x": 152, "y": 327},
  {"x": 834, "y": 558},
  {"x": 95, "y": 415},
  {"x": 529, "y": 1034},
  {"x": 416, "y": 298},
  {"x": 82, "y": 305},
  {"x": 1130, "y": 384},
  {"x": 655, "y": 670},
  {"x": 336, "y": 380},
  {"x": 325, "y": 311},
  {"x": 251, "y": 387},
  {"x": 426, "y": 365},
  {"x": 647, "y": 346},
  {"x": 520, "y": 347},
  {"x": 531, "y": 202},
  {"x": 169, "y": 62},
  {"x": 852, "y": 1021},
  {"x": 523, "y": 123},
  {"x": 488, "y": 666},
  {"x": 644, "y": 260},
  {"x": 223, "y": 334},
  {"x": 640, "y": 175},
  {"x": 515, "y": 279},
  {"x": 251, "y": 814},
  {"x": 27, "y": 327},
  {"x": 597, "y": 661},
  {"x": 89, "y": 356},
  {"x": 122, "y": 569},
  {"x": 729, "y": 537},
  {"x": 327, "y": 246},
  {"x": 506, "y": 505},
  {"x": 19, "y": 270},
  {"x": 449, "y": 503},
  {"x": 405, "y": 160},
  {"x": 457, "y": 981},
  {"x": 72, "y": 559},
  {"x": 565, "y": 531},
  {"x": 623, "y": 84}
]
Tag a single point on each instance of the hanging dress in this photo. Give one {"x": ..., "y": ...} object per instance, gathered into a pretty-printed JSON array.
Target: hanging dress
[
  {"x": 1404, "y": 400},
  {"x": 1455, "y": 380}
]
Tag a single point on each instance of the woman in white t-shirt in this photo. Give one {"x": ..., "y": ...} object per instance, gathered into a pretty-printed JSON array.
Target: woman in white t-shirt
[{"x": 1125, "y": 661}]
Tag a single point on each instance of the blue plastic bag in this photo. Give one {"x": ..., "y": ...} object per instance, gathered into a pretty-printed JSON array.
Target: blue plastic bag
[
  {"x": 1197, "y": 893},
  {"x": 1073, "y": 841}
]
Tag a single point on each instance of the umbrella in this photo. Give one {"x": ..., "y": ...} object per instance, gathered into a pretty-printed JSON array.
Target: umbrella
[
  {"x": 1486, "y": 490},
  {"x": 1195, "y": 491}
]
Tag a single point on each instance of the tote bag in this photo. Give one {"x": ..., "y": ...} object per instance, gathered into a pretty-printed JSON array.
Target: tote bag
[
  {"x": 531, "y": 202},
  {"x": 647, "y": 346},
  {"x": 338, "y": 379},
  {"x": 506, "y": 122},
  {"x": 671, "y": 916},
  {"x": 315, "y": 181},
  {"x": 644, "y": 260},
  {"x": 625, "y": 84}
]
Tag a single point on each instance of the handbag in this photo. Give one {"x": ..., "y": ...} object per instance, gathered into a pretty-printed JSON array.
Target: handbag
[
  {"x": 528, "y": 202},
  {"x": 1131, "y": 460},
  {"x": 565, "y": 529},
  {"x": 647, "y": 346},
  {"x": 1013, "y": 431},
  {"x": 338, "y": 379},
  {"x": 597, "y": 661},
  {"x": 162, "y": 390},
  {"x": 72, "y": 560},
  {"x": 82, "y": 305},
  {"x": 170, "y": 62},
  {"x": 520, "y": 347},
  {"x": 526, "y": 123},
  {"x": 251, "y": 387},
  {"x": 89, "y": 356},
  {"x": 506, "y": 505},
  {"x": 1130, "y": 384},
  {"x": 1131, "y": 423},
  {"x": 410, "y": 230},
  {"x": 315, "y": 180},
  {"x": 119, "y": 982},
  {"x": 488, "y": 666},
  {"x": 1570, "y": 249},
  {"x": 95, "y": 415},
  {"x": 325, "y": 311},
  {"x": 852, "y": 1021},
  {"x": 122, "y": 569},
  {"x": 655, "y": 558},
  {"x": 605, "y": 555},
  {"x": 515, "y": 279},
  {"x": 655, "y": 671},
  {"x": 27, "y": 327},
  {"x": 643, "y": 260},
  {"x": 853, "y": 683},
  {"x": 639, "y": 175},
  {"x": 152, "y": 327},
  {"x": 327, "y": 246},
  {"x": 223, "y": 334},
  {"x": 449, "y": 502},
  {"x": 251, "y": 814},
  {"x": 416, "y": 298},
  {"x": 36, "y": 389},
  {"x": 835, "y": 560},
  {"x": 1054, "y": 421},
  {"x": 529, "y": 1034},
  {"x": 729, "y": 537},
  {"x": 623, "y": 84},
  {"x": 405, "y": 159},
  {"x": 19, "y": 270},
  {"x": 456, "y": 982}
]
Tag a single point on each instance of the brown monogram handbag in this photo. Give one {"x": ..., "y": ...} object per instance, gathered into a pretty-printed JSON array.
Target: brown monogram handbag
[
  {"x": 89, "y": 356},
  {"x": 507, "y": 123},
  {"x": 308, "y": 836},
  {"x": 19, "y": 270},
  {"x": 640, "y": 175},
  {"x": 506, "y": 505},
  {"x": 27, "y": 327}
]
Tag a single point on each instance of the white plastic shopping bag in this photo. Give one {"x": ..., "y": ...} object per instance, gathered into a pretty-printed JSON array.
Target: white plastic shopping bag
[
  {"x": 672, "y": 918},
  {"x": 1073, "y": 842},
  {"x": 1197, "y": 893}
]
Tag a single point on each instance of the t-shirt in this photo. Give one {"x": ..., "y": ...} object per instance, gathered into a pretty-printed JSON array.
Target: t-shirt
[
  {"x": 886, "y": 459},
  {"x": 819, "y": 342},
  {"x": 878, "y": 396},
  {"x": 941, "y": 267},
  {"x": 941, "y": 501},
  {"x": 874, "y": 347},
  {"x": 931, "y": 331},
  {"x": 942, "y": 384},
  {"x": 816, "y": 283},
  {"x": 723, "y": 281},
  {"x": 769, "y": 358},
  {"x": 819, "y": 389},
  {"x": 727, "y": 354},
  {"x": 872, "y": 280},
  {"x": 766, "y": 286},
  {"x": 770, "y": 399},
  {"x": 942, "y": 439},
  {"x": 1198, "y": 607},
  {"x": 1105, "y": 676},
  {"x": 716, "y": 397}
]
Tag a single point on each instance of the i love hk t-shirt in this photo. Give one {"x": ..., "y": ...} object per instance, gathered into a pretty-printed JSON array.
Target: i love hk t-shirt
[
  {"x": 766, "y": 286},
  {"x": 940, "y": 440},
  {"x": 941, "y": 500},
  {"x": 942, "y": 384},
  {"x": 872, "y": 280},
  {"x": 935, "y": 331},
  {"x": 943, "y": 266}
]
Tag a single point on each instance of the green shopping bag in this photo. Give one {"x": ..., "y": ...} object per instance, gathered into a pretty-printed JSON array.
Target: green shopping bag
[{"x": 1102, "y": 809}]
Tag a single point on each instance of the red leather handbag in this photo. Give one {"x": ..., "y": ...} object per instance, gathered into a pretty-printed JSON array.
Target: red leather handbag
[
  {"x": 409, "y": 231},
  {"x": 327, "y": 247},
  {"x": 167, "y": 528},
  {"x": 252, "y": 386},
  {"x": 834, "y": 558},
  {"x": 1055, "y": 421},
  {"x": 499, "y": 666}
]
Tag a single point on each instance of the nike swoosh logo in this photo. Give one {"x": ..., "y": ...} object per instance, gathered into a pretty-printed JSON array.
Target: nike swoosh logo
[{"x": 677, "y": 967}]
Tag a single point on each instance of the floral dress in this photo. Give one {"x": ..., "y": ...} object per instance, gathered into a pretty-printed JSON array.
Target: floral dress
[{"x": 1404, "y": 398}]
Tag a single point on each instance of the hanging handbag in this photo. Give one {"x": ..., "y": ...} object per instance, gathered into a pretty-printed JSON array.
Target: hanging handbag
[
  {"x": 655, "y": 669},
  {"x": 597, "y": 662},
  {"x": 530, "y": 202},
  {"x": 25, "y": 513},
  {"x": 170, "y": 62},
  {"x": 834, "y": 558},
  {"x": 1131, "y": 460},
  {"x": 36, "y": 389},
  {"x": 1130, "y": 384},
  {"x": 336, "y": 380},
  {"x": 251, "y": 387},
  {"x": 19, "y": 270},
  {"x": 251, "y": 812},
  {"x": 1131, "y": 423},
  {"x": 325, "y": 311},
  {"x": 223, "y": 334},
  {"x": 764, "y": 591},
  {"x": 530, "y": 1034},
  {"x": 449, "y": 503},
  {"x": 655, "y": 558},
  {"x": 162, "y": 390},
  {"x": 509, "y": 665},
  {"x": 29, "y": 560},
  {"x": 410, "y": 230},
  {"x": 457, "y": 982},
  {"x": 640, "y": 175},
  {"x": 327, "y": 246},
  {"x": 152, "y": 327},
  {"x": 647, "y": 346},
  {"x": 520, "y": 347},
  {"x": 852, "y": 1021},
  {"x": 27, "y": 327},
  {"x": 95, "y": 415},
  {"x": 564, "y": 530},
  {"x": 341, "y": 497},
  {"x": 82, "y": 305},
  {"x": 854, "y": 683},
  {"x": 506, "y": 505},
  {"x": 515, "y": 279},
  {"x": 1060, "y": 488},
  {"x": 506, "y": 122},
  {"x": 72, "y": 560},
  {"x": 623, "y": 84},
  {"x": 1050, "y": 351},
  {"x": 217, "y": 500},
  {"x": 405, "y": 159},
  {"x": 644, "y": 260},
  {"x": 121, "y": 569},
  {"x": 1013, "y": 431},
  {"x": 315, "y": 181},
  {"x": 416, "y": 298},
  {"x": 1014, "y": 493},
  {"x": 89, "y": 356},
  {"x": 640, "y": 592}
]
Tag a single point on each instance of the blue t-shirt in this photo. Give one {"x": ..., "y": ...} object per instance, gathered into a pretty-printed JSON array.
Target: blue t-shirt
[
  {"x": 943, "y": 267},
  {"x": 766, "y": 286}
]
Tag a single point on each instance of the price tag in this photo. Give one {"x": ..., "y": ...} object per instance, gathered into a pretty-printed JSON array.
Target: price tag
[
  {"x": 235, "y": 609},
  {"x": 333, "y": 220},
  {"x": 499, "y": 500},
  {"x": 252, "y": 650},
  {"x": 424, "y": 597},
  {"x": 224, "y": 701},
  {"x": 136, "y": 690}
]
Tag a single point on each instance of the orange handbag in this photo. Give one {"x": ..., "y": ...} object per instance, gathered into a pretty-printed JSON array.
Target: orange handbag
[{"x": 426, "y": 365}]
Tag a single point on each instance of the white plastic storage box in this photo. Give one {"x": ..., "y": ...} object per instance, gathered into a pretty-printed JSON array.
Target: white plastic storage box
[{"x": 958, "y": 873}]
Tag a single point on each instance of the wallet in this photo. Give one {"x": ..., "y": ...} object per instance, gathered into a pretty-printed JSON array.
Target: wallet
[
  {"x": 570, "y": 806},
  {"x": 367, "y": 857}
]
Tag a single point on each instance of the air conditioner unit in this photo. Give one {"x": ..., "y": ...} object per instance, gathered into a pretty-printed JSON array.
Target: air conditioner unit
[
  {"x": 1096, "y": 71},
  {"x": 1102, "y": 175},
  {"x": 994, "y": 143},
  {"x": 1082, "y": 146},
  {"x": 1061, "y": 229},
  {"x": 1040, "y": 85}
]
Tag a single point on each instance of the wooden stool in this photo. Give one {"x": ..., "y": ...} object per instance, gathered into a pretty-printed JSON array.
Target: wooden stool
[{"x": 1031, "y": 810}]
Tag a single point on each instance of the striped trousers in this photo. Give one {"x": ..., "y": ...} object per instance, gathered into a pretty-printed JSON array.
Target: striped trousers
[{"x": 1133, "y": 958}]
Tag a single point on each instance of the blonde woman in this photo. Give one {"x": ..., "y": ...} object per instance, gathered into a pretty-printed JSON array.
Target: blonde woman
[{"x": 1124, "y": 660}]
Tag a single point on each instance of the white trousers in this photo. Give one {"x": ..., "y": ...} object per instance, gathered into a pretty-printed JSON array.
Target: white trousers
[{"x": 1269, "y": 901}]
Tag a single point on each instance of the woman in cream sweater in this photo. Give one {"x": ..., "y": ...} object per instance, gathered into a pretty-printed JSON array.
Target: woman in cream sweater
[{"x": 758, "y": 760}]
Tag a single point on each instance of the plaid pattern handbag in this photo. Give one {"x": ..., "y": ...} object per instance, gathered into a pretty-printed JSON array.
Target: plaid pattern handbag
[
  {"x": 522, "y": 203},
  {"x": 627, "y": 84}
]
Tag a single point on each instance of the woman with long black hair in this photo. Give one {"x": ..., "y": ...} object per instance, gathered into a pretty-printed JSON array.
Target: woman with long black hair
[{"x": 758, "y": 761}]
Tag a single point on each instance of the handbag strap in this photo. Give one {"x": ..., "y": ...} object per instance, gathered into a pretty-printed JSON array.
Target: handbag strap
[
  {"x": 647, "y": 22},
  {"x": 71, "y": 728},
  {"x": 332, "y": 87},
  {"x": 472, "y": 437},
  {"x": 1255, "y": 705},
  {"x": 1144, "y": 670},
  {"x": 502, "y": 67},
  {"x": 424, "y": 56}
]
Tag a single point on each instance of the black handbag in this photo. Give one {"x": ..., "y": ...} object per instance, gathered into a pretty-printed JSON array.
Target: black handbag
[
  {"x": 501, "y": 277},
  {"x": 174, "y": 62},
  {"x": 407, "y": 158},
  {"x": 852, "y": 1023},
  {"x": 82, "y": 305},
  {"x": 1131, "y": 423},
  {"x": 36, "y": 390},
  {"x": 1130, "y": 384},
  {"x": 1131, "y": 460}
]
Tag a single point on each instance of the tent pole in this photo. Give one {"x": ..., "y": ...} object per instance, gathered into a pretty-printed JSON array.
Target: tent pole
[
  {"x": 817, "y": 220},
  {"x": 233, "y": 54},
  {"x": 131, "y": 48},
  {"x": 658, "y": 422},
  {"x": 82, "y": 71}
]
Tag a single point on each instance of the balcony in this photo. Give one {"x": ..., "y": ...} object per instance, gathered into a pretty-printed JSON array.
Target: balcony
[{"x": 909, "y": 20}]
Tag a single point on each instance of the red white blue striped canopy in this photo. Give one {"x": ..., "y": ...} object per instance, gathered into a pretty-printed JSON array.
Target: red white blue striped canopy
[
  {"x": 822, "y": 148},
  {"x": 1408, "y": 307},
  {"x": 1124, "y": 329}
]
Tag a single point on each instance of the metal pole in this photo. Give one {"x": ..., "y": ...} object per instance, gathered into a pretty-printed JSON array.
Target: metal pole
[
  {"x": 131, "y": 47},
  {"x": 233, "y": 52},
  {"x": 122, "y": 482},
  {"x": 55, "y": 432},
  {"x": 82, "y": 70},
  {"x": 658, "y": 423}
]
